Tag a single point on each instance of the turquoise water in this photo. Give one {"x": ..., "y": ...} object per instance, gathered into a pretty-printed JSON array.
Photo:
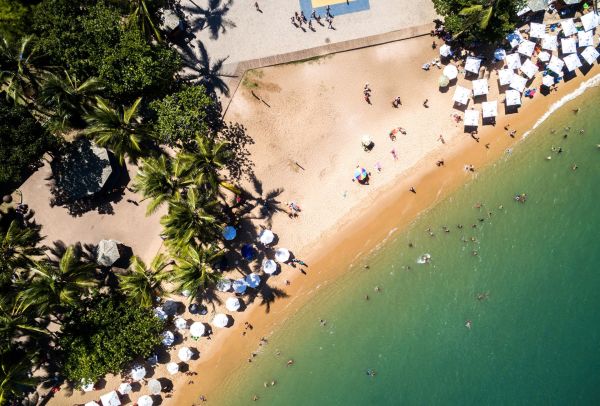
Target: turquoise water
[{"x": 535, "y": 333}]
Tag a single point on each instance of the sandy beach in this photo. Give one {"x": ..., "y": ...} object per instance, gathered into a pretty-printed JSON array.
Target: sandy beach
[{"x": 307, "y": 120}]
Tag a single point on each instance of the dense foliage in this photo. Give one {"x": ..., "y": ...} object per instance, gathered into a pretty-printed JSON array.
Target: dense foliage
[
  {"x": 105, "y": 337},
  {"x": 14, "y": 18}
]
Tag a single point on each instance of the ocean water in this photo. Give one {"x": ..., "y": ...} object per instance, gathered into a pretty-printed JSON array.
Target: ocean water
[{"x": 531, "y": 294}]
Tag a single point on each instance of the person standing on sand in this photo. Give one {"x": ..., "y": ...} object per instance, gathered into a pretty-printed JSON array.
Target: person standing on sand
[
  {"x": 412, "y": 189},
  {"x": 441, "y": 139},
  {"x": 393, "y": 152},
  {"x": 425, "y": 103}
]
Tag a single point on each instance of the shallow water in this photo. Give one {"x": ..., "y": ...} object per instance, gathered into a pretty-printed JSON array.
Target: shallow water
[{"x": 535, "y": 329}]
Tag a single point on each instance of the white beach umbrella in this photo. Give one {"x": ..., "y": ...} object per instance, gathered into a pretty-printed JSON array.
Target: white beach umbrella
[
  {"x": 472, "y": 64},
  {"x": 125, "y": 388},
  {"x": 168, "y": 338},
  {"x": 172, "y": 368},
  {"x": 445, "y": 50},
  {"x": 185, "y": 354},
  {"x": 505, "y": 76},
  {"x": 550, "y": 42},
  {"x": 450, "y": 71},
  {"x": 471, "y": 118},
  {"x": 154, "y": 386},
  {"x": 252, "y": 280},
  {"x": 92, "y": 403},
  {"x": 197, "y": 329},
  {"x": 160, "y": 313},
  {"x": 269, "y": 266},
  {"x": 513, "y": 61},
  {"x": 585, "y": 39},
  {"x": 266, "y": 237},
  {"x": 220, "y": 320},
  {"x": 480, "y": 87},
  {"x": 108, "y": 252},
  {"x": 518, "y": 83},
  {"x": 224, "y": 285},
  {"x": 568, "y": 27},
  {"x": 556, "y": 65},
  {"x": 548, "y": 81},
  {"x": 513, "y": 98},
  {"x": 529, "y": 69},
  {"x": 282, "y": 255},
  {"x": 138, "y": 373},
  {"x": 145, "y": 401},
  {"x": 590, "y": 55},
  {"x": 239, "y": 286},
  {"x": 526, "y": 48},
  {"x": 233, "y": 304},
  {"x": 110, "y": 399},
  {"x": 181, "y": 323},
  {"x": 489, "y": 109},
  {"x": 537, "y": 30},
  {"x": 544, "y": 56},
  {"x": 572, "y": 62},
  {"x": 589, "y": 21},
  {"x": 568, "y": 45},
  {"x": 87, "y": 386}
]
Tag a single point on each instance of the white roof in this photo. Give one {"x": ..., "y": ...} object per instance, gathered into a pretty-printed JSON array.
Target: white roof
[
  {"x": 461, "y": 95},
  {"x": 472, "y": 65},
  {"x": 526, "y": 48},
  {"x": 590, "y": 55},
  {"x": 233, "y": 304},
  {"x": 589, "y": 20},
  {"x": 556, "y": 65},
  {"x": 548, "y": 80},
  {"x": 513, "y": 61},
  {"x": 220, "y": 320},
  {"x": 513, "y": 98},
  {"x": 110, "y": 399},
  {"x": 585, "y": 38},
  {"x": 537, "y": 30},
  {"x": 480, "y": 87},
  {"x": 471, "y": 118},
  {"x": 489, "y": 109},
  {"x": 197, "y": 329},
  {"x": 544, "y": 56},
  {"x": 518, "y": 83},
  {"x": 568, "y": 45},
  {"x": 568, "y": 27},
  {"x": 445, "y": 50},
  {"x": 185, "y": 354},
  {"x": 505, "y": 76},
  {"x": 529, "y": 69},
  {"x": 451, "y": 72},
  {"x": 572, "y": 62},
  {"x": 550, "y": 42}
]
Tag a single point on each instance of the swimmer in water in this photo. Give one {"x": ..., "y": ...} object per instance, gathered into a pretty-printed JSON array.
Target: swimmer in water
[{"x": 468, "y": 324}]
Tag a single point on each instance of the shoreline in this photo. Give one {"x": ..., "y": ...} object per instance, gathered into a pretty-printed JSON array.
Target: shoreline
[{"x": 433, "y": 185}]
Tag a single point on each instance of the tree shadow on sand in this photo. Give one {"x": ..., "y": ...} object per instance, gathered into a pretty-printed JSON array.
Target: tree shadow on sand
[
  {"x": 240, "y": 164},
  {"x": 266, "y": 294},
  {"x": 260, "y": 204},
  {"x": 211, "y": 17}
]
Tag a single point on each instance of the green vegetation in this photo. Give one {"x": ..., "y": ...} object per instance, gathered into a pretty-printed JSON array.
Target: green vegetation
[{"x": 142, "y": 285}]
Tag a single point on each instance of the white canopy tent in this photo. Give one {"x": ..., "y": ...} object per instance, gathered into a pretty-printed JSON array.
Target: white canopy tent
[
  {"x": 537, "y": 30},
  {"x": 233, "y": 304},
  {"x": 489, "y": 109},
  {"x": 572, "y": 62},
  {"x": 473, "y": 65},
  {"x": 87, "y": 386},
  {"x": 110, "y": 399},
  {"x": 585, "y": 39},
  {"x": 471, "y": 118},
  {"x": 518, "y": 83},
  {"x": 461, "y": 95},
  {"x": 282, "y": 255},
  {"x": 537, "y": 5},
  {"x": 138, "y": 373},
  {"x": 185, "y": 354},
  {"x": 550, "y": 42},
  {"x": 269, "y": 266},
  {"x": 172, "y": 368},
  {"x": 513, "y": 98},
  {"x": 589, "y": 21},
  {"x": 220, "y": 320},
  {"x": 529, "y": 69},
  {"x": 590, "y": 55},
  {"x": 556, "y": 65},
  {"x": 568, "y": 27},
  {"x": 145, "y": 401},
  {"x": 544, "y": 56},
  {"x": 548, "y": 81},
  {"x": 266, "y": 237},
  {"x": 505, "y": 76},
  {"x": 451, "y": 72},
  {"x": 526, "y": 48},
  {"x": 568, "y": 45},
  {"x": 480, "y": 87},
  {"x": 513, "y": 61},
  {"x": 445, "y": 50},
  {"x": 197, "y": 329},
  {"x": 252, "y": 280},
  {"x": 125, "y": 388}
]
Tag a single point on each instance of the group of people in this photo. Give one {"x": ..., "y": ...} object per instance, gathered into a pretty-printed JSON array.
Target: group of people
[{"x": 299, "y": 19}]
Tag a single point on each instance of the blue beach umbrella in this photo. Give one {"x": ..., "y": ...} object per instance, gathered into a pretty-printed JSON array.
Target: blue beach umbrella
[
  {"x": 248, "y": 252},
  {"x": 229, "y": 233},
  {"x": 360, "y": 174},
  {"x": 499, "y": 54}
]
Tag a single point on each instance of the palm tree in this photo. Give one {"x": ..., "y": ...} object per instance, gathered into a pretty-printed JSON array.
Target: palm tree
[
  {"x": 68, "y": 99},
  {"x": 477, "y": 15},
  {"x": 18, "y": 249},
  {"x": 143, "y": 284},
  {"x": 143, "y": 19},
  {"x": 191, "y": 216},
  {"x": 16, "y": 321},
  {"x": 19, "y": 75},
  {"x": 194, "y": 271},
  {"x": 205, "y": 72},
  {"x": 162, "y": 179},
  {"x": 15, "y": 374},
  {"x": 120, "y": 130},
  {"x": 59, "y": 283}
]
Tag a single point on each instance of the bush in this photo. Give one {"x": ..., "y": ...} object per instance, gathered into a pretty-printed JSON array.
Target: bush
[{"x": 14, "y": 18}]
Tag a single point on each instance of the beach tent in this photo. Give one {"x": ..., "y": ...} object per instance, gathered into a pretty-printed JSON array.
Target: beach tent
[
  {"x": 480, "y": 87},
  {"x": 229, "y": 233},
  {"x": 499, "y": 54},
  {"x": 87, "y": 386},
  {"x": 537, "y": 30},
  {"x": 550, "y": 42},
  {"x": 220, "y": 320},
  {"x": 172, "y": 368},
  {"x": 529, "y": 69},
  {"x": 461, "y": 95},
  {"x": 125, "y": 388},
  {"x": 266, "y": 237},
  {"x": 445, "y": 50},
  {"x": 505, "y": 76},
  {"x": 233, "y": 304},
  {"x": 145, "y": 401},
  {"x": 568, "y": 46},
  {"x": 472, "y": 65},
  {"x": 513, "y": 98},
  {"x": 185, "y": 354},
  {"x": 514, "y": 38},
  {"x": 138, "y": 373},
  {"x": 518, "y": 83},
  {"x": 223, "y": 285},
  {"x": 544, "y": 56},
  {"x": 181, "y": 323},
  {"x": 239, "y": 286},
  {"x": 548, "y": 80},
  {"x": 168, "y": 338},
  {"x": 197, "y": 329},
  {"x": 590, "y": 55},
  {"x": 589, "y": 21},
  {"x": 556, "y": 65},
  {"x": 108, "y": 252},
  {"x": 526, "y": 48},
  {"x": 92, "y": 403},
  {"x": 252, "y": 280},
  {"x": 171, "y": 307},
  {"x": 471, "y": 118},
  {"x": 489, "y": 109},
  {"x": 160, "y": 313},
  {"x": 110, "y": 399},
  {"x": 572, "y": 62},
  {"x": 513, "y": 61},
  {"x": 269, "y": 266},
  {"x": 154, "y": 386},
  {"x": 451, "y": 72},
  {"x": 568, "y": 27},
  {"x": 585, "y": 39}
]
